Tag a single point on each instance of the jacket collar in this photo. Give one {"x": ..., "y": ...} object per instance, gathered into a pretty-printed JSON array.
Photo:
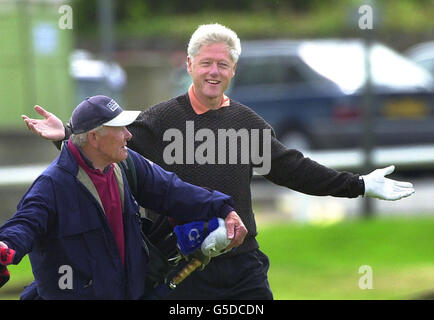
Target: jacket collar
[
  {"x": 66, "y": 156},
  {"x": 66, "y": 160}
]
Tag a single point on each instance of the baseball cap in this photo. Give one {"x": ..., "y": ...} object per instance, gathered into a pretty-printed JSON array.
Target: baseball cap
[{"x": 97, "y": 111}]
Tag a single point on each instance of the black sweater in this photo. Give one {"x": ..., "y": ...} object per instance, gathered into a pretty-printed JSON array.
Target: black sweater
[{"x": 289, "y": 167}]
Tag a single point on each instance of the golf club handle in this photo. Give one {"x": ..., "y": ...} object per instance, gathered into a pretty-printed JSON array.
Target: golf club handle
[{"x": 186, "y": 271}]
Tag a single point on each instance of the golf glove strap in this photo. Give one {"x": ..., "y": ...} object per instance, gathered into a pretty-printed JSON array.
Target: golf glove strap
[{"x": 377, "y": 186}]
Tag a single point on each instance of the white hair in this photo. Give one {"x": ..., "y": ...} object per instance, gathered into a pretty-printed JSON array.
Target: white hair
[
  {"x": 214, "y": 33},
  {"x": 80, "y": 139}
]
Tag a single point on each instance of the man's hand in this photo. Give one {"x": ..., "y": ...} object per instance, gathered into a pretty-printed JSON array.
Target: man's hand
[
  {"x": 235, "y": 229},
  {"x": 377, "y": 186},
  {"x": 50, "y": 128},
  {"x": 217, "y": 241}
]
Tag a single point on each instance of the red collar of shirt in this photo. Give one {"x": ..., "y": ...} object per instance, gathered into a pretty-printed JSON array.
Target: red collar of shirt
[
  {"x": 84, "y": 162},
  {"x": 199, "y": 107}
]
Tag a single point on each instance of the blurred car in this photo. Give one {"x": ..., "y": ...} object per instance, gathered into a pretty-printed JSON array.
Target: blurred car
[
  {"x": 312, "y": 92},
  {"x": 423, "y": 54},
  {"x": 93, "y": 76}
]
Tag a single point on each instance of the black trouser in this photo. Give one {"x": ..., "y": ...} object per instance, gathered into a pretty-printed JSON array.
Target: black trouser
[{"x": 241, "y": 277}]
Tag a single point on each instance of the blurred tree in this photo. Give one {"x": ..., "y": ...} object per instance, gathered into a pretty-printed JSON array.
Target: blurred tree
[
  {"x": 136, "y": 9},
  {"x": 305, "y": 17},
  {"x": 85, "y": 15},
  {"x": 133, "y": 9}
]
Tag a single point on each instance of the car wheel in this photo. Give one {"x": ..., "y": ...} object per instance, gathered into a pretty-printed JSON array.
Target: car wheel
[{"x": 296, "y": 140}]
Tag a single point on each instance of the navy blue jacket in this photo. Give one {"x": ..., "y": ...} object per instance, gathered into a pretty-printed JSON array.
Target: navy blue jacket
[{"x": 59, "y": 222}]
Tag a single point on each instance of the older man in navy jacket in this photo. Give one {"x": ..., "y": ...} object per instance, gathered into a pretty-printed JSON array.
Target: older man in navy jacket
[{"x": 79, "y": 216}]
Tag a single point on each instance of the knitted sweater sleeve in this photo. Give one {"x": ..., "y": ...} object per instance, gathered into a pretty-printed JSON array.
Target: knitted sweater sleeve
[{"x": 290, "y": 168}]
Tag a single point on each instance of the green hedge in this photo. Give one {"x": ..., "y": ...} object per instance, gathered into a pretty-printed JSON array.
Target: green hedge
[{"x": 269, "y": 19}]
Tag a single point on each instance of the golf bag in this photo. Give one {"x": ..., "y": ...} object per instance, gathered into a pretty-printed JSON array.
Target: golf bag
[{"x": 158, "y": 236}]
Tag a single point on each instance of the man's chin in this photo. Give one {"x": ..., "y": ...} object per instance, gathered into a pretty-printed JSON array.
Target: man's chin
[
  {"x": 213, "y": 94},
  {"x": 212, "y": 97},
  {"x": 123, "y": 156}
]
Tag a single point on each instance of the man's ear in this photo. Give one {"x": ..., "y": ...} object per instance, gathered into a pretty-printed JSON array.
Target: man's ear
[
  {"x": 189, "y": 62},
  {"x": 92, "y": 138},
  {"x": 234, "y": 69}
]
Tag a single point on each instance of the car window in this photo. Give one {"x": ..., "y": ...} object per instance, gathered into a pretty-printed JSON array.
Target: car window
[
  {"x": 266, "y": 71},
  {"x": 343, "y": 64},
  {"x": 427, "y": 64}
]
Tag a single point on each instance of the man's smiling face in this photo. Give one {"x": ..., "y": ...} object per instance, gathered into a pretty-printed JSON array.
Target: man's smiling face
[{"x": 212, "y": 70}]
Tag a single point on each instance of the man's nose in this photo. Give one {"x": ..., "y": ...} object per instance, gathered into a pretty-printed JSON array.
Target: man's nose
[
  {"x": 214, "y": 69},
  {"x": 127, "y": 134}
]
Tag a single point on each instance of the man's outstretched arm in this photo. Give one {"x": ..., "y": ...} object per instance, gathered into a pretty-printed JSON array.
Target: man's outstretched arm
[
  {"x": 290, "y": 168},
  {"x": 166, "y": 193}
]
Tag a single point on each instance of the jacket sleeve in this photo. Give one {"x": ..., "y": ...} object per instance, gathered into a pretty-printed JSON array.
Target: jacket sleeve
[
  {"x": 30, "y": 219},
  {"x": 165, "y": 192}
]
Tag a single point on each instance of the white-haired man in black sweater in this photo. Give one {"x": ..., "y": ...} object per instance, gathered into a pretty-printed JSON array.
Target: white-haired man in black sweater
[{"x": 212, "y": 141}]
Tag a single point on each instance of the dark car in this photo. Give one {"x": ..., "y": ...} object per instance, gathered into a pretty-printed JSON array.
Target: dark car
[{"x": 311, "y": 92}]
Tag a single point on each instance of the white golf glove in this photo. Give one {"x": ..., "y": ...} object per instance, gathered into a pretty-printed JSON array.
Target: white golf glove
[
  {"x": 216, "y": 242},
  {"x": 377, "y": 186}
]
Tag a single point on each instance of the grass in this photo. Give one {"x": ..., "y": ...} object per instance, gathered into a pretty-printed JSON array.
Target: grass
[
  {"x": 322, "y": 262},
  {"x": 314, "y": 262},
  {"x": 21, "y": 276}
]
